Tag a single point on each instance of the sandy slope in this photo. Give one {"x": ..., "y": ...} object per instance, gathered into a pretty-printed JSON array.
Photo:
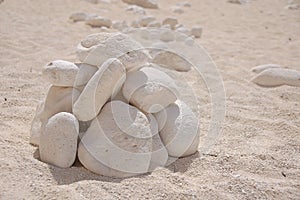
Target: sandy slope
[{"x": 258, "y": 155}]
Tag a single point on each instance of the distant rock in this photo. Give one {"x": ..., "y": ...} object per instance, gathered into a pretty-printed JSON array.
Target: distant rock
[
  {"x": 177, "y": 10},
  {"x": 152, "y": 4},
  {"x": 196, "y": 31},
  {"x": 261, "y": 68},
  {"x": 172, "y": 21},
  {"x": 97, "y": 21},
  {"x": 79, "y": 16},
  {"x": 136, "y": 9}
]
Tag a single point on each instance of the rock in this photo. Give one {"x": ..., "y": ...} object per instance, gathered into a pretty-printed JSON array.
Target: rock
[
  {"x": 58, "y": 142},
  {"x": 79, "y": 16},
  {"x": 135, "y": 24},
  {"x": 157, "y": 47},
  {"x": 196, "y": 32},
  {"x": 292, "y": 7},
  {"x": 150, "y": 89},
  {"x": 58, "y": 99},
  {"x": 189, "y": 41},
  {"x": 184, "y": 4},
  {"x": 179, "y": 129},
  {"x": 85, "y": 73},
  {"x": 171, "y": 60},
  {"x": 166, "y": 26},
  {"x": 154, "y": 24},
  {"x": 145, "y": 20},
  {"x": 120, "y": 26},
  {"x": 274, "y": 77},
  {"x": 167, "y": 35},
  {"x": 106, "y": 82},
  {"x": 97, "y": 48},
  {"x": 152, "y": 4},
  {"x": 171, "y": 21},
  {"x": 60, "y": 73},
  {"x": 238, "y": 1},
  {"x": 92, "y": 1},
  {"x": 136, "y": 9},
  {"x": 177, "y": 10},
  {"x": 184, "y": 30},
  {"x": 97, "y": 21},
  {"x": 261, "y": 68},
  {"x": 118, "y": 142}
]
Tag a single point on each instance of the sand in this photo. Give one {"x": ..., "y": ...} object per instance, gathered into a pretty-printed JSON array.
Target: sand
[{"x": 258, "y": 153}]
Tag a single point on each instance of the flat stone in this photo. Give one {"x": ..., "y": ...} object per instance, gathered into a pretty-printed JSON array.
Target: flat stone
[
  {"x": 149, "y": 89},
  {"x": 58, "y": 142},
  {"x": 261, "y": 68},
  {"x": 98, "y": 21},
  {"x": 106, "y": 82},
  {"x": 152, "y": 4}
]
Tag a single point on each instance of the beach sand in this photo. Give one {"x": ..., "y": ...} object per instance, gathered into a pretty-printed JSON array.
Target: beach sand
[{"x": 258, "y": 153}]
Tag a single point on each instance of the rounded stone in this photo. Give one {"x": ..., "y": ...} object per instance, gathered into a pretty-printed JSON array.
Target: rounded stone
[
  {"x": 179, "y": 129},
  {"x": 98, "y": 21},
  {"x": 150, "y": 89},
  {"x": 58, "y": 142},
  {"x": 172, "y": 21},
  {"x": 60, "y": 73}
]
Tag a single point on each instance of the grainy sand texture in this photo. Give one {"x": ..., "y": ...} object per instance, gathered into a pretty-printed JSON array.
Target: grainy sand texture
[{"x": 258, "y": 153}]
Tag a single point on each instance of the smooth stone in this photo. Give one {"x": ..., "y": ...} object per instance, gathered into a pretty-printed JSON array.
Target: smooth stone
[
  {"x": 184, "y": 4},
  {"x": 58, "y": 99},
  {"x": 261, "y": 68},
  {"x": 154, "y": 24},
  {"x": 172, "y": 21},
  {"x": 184, "y": 31},
  {"x": 136, "y": 9},
  {"x": 79, "y": 16},
  {"x": 60, "y": 73},
  {"x": 274, "y": 77},
  {"x": 179, "y": 129},
  {"x": 58, "y": 142},
  {"x": 117, "y": 45},
  {"x": 152, "y": 4},
  {"x": 177, "y": 10},
  {"x": 150, "y": 89},
  {"x": 171, "y": 60},
  {"x": 145, "y": 20},
  {"x": 196, "y": 32},
  {"x": 85, "y": 73},
  {"x": 120, "y": 26},
  {"x": 167, "y": 35},
  {"x": 118, "y": 142},
  {"x": 106, "y": 82},
  {"x": 98, "y": 21}
]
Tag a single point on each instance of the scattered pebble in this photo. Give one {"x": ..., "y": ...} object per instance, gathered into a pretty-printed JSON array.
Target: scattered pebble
[
  {"x": 79, "y": 16},
  {"x": 177, "y": 10},
  {"x": 152, "y": 4},
  {"x": 97, "y": 21},
  {"x": 145, "y": 20},
  {"x": 136, "y": 9},
  {"x": 261, "y": 68},
  {"x": 196, "y": 32},
  {"x": 172, "y": 21}
]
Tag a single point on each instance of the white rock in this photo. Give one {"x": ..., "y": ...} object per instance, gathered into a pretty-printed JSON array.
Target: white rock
[
  {"x": 189, "y": 41},
  {"x": 135, "y": 24},
  {"x": 274, "y": 77},
  {"x": 150, "y": 89},
  {"x": 85, "y": 73},
  {"x": 184, "y": 30},
  {"x": 166, "y": 26},
  {"x": 152, "y": 4},
  {"x": 157, "y": 47},
  {"x": 145, "y": 20},
  {"x": 58, "y": 99},
  {"x": 167, "y": 35},
  {"x": 261, "y": 68},
  {"x": 58, "y": 142},
  {"x": 117, "y": 45},
  {"x": 79, "y": 16},
  {"x": 184, "y": 4},
  {"x": 154, "y": 24},
  {"x": 172, "y": 21},
  {"x": 179, "y": 129},
  {"x": 98, "y": 21},
  {"x": 136, "y": 9},
  {"x": 177, "y": 10},
  {"x": 171, "y": 60},
  {"x": 196, "y": 32},
  {"x": 120, "y": 26},
  {"x": 60, "y": 73},
  {"x": 106, "y": 82},
  {"x": 119, "y": 142}
]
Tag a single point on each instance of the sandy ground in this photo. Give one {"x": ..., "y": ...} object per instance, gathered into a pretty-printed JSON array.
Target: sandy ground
[{"x": 258, "y": 155}]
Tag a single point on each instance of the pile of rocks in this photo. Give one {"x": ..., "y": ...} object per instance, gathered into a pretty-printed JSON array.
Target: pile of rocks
[{"x": 117, "y": 113}]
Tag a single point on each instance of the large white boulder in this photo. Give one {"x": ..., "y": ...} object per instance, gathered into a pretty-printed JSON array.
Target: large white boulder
[
  {"x": 106, "y": 82},
  {"x": 119, "y": 142},
  {"x": 58, "y": 99},
  {"x": 58, "y": 142},
  {"x": 150, "y": 89},
  {"x": 60, "y": 73},
  {"x": 143, "y": 3},
  {"x": 97, "y": 48},
  {"x": 179, "y": 129},
  {"x": 274, "y": 77},
  {"x": 171, "y": 60}
]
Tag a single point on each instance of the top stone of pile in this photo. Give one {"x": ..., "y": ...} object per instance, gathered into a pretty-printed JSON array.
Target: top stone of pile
[{"x": 152, "y": 4}]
